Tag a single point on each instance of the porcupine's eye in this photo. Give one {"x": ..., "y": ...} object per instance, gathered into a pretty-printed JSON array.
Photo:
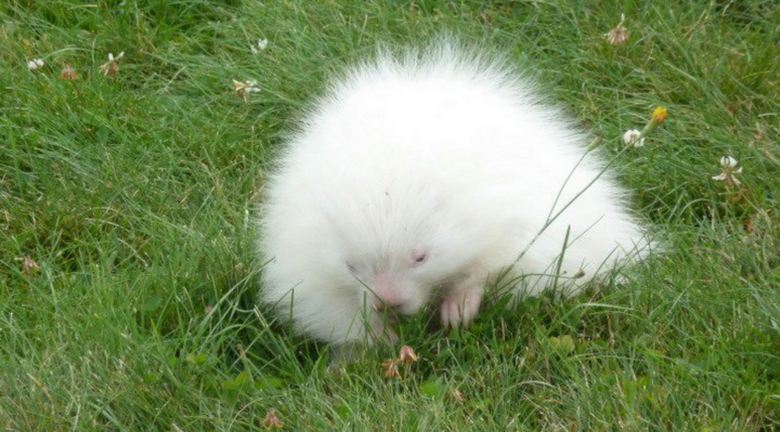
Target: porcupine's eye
[
  {"x": 350, "y": 267},
  {"x": 419, "y": 257}
]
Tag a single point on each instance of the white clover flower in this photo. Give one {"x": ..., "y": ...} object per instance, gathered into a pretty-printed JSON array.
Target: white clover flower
[
  {"x": 729, "y": 166},
  {"x": 111, "y": 67},
  {"x": 244, "y": 88},
  {"x": 29, "y": 265},
  {"x": 262, "y": 44},
  {"x": 728, "y": 162},
  {"x": 619, "y": 34},
  {"x": 35, "y": 64},
  {"x": 633, "y": 137}
]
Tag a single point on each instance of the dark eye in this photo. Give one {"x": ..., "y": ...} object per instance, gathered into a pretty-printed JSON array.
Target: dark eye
[
  {"x": 419, "y": 257},
  {"x": 350, "y": 267}
]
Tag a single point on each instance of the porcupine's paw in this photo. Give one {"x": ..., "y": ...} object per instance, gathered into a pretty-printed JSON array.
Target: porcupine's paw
[{"x": 460, "y": 306}]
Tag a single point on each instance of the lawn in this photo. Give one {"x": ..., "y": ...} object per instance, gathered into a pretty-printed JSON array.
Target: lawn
[{"x": 128, "y": 276}]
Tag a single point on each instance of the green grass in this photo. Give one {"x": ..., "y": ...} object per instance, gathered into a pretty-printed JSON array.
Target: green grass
[{"x": 135, "y": 194}]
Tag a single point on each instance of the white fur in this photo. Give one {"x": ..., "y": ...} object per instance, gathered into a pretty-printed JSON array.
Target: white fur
[{"x": 444, "y": 156}]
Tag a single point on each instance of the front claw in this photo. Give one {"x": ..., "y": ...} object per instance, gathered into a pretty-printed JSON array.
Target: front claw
[{"x": 459, "y": 307}]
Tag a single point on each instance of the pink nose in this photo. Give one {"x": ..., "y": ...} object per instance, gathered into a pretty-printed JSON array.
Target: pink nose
[{"x": 387, "y": 293}]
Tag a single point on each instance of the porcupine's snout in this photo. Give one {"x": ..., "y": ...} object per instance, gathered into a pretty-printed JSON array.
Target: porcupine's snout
[{"x": 387, "y": 291}]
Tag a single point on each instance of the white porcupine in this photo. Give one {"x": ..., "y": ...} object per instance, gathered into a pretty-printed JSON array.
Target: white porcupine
[{"x": 419, "y": 179}]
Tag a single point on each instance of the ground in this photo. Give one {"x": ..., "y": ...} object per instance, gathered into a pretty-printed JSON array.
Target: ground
[{"x": 128, "y": 276}]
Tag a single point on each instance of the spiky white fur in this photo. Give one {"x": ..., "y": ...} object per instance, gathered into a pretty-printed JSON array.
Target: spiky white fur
[{"x": 444, "y": 158}]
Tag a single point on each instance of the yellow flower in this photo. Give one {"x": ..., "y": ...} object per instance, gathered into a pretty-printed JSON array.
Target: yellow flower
[{"x": 660, "y": 115}]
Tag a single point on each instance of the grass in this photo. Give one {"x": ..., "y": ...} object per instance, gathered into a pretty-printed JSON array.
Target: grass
[{"x": 135, "y": 195}]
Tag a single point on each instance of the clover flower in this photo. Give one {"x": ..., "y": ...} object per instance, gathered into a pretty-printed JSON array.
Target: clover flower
[
  {"x": 636, "y": 138},
  {"x": 244, "y": 88},
  {"x": 633, "y": 137},
  {"x": 618, "y": 35},
  {"x": 29, "y": 265},
  {"x": 262, "y": 44},
  {"x": 271, "y": 420},
  {"x": 68, "y": 73},
  {"x": 111, "y": 67},
  {"x": 391, "y": 368},
  {"x": 35, "y": 64},
  {"x": 407, "y": 356},
  {"x": 729, "y": 175}
]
